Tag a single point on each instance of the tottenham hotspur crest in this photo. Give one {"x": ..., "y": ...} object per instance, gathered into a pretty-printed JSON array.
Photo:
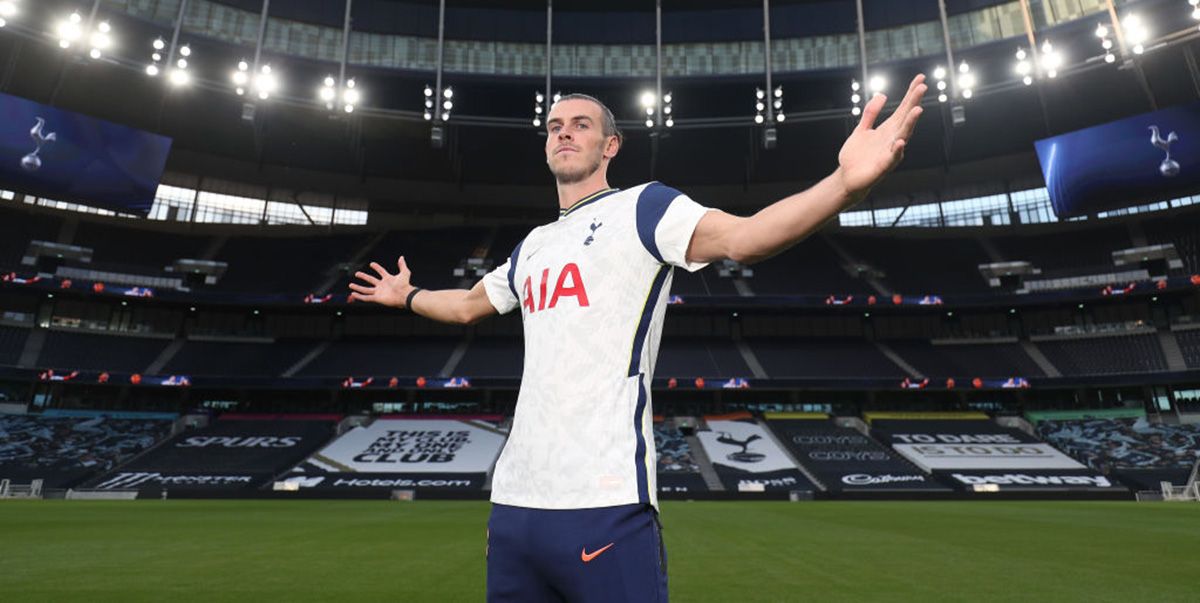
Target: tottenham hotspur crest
[{"x": 592, "y": 237}]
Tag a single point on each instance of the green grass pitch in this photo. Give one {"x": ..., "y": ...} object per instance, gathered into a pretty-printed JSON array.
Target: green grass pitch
[{"x": 180, "y": 550}]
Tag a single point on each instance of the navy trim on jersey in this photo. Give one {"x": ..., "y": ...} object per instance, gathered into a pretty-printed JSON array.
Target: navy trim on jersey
[
  {"x": 652, "y": 205},
  {"x": 588, "y": 200},
  {"x": 639, "y": 336},
  {"x": 639, "y": 456},
  {"x": 512, "y": 271}
]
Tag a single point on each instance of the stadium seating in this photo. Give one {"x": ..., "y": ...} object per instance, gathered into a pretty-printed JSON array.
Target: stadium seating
[
  {"x": 967, "y": 360},
  {"x": 87, "y": 351},
  {"x": 492, "y": 357},
  {"x": 922, "y": 265},
  {"x": 823, "y": 358},
  {"x": 227, "y": 455},
  {"x": 136, "y": 250},
  {"x": 845, "y": 459},
  {"x": 274, "y": 265},
  {"x": 64, "y": 450},
  {"x": 1189, "y": 344},
  {"x": 1139, "y": 453},
  {"x": 12, "y": 341},
  {"x": 700, "y": 357},
  {"x": 197, "y": 358},
  {"x": 1139, "y": 353},
  {"x": 1109, "y": 444},
  {"x": 1061, "y": 253},
  {"x": 17, "y": 229},
  {"x": 674, "y": 453},
  {"x": 410, "y": 356}
]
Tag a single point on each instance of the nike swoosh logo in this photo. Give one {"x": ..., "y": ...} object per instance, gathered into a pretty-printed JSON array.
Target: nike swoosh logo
[{"x": 586, "y": 556}]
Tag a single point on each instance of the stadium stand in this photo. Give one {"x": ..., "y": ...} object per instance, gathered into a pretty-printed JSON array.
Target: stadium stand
[
  {"x": 62, "y": 451},
  {"x": 845, "y": 459},
  {"x": 80, "y": 351},
  {"x": 12, "y": 341},
  {"x": 136, "y": 250},
  {"x": 17, "y": 229},
  {"x": 492, "y": 357},
  {"x": 812, "y": 267},
  {"x": 746, "y": 458},
  {"x": 408, "y": 356},
  {"x": 678, "y": 471},
  {"x": 201, "y": 358},
  {"x": 1134, "y": 353},
  {"x": 700, "y": 357},
  {"x": 921, "y": 265},
  {"x": 1139, "y": 452},
  {"x": 968, "y": 451},
  {"x": 230, "y": 454},
  {"x": 434, "y": 453},
  {"x": 832, "y": 358},
  {"x": 1189, "y": 345},
  {"x": 967, "y": 359},
  {"x": 275, "y": 265}
]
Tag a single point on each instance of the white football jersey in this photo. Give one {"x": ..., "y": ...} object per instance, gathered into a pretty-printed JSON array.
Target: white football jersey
[{"x": 592, "y": 289}]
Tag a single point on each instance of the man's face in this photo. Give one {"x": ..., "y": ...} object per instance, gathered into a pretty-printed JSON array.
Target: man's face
[{"x": 576, "y": 146}]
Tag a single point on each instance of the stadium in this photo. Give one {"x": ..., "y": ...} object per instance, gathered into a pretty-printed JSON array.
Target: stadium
[{"x": 981, "y": 381}]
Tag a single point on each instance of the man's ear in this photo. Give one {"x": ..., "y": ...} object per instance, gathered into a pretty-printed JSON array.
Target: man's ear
[{"x": 612, "y": 147}]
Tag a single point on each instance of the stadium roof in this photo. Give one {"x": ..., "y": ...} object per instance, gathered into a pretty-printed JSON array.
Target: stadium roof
[{"x": 383, "y": 150}]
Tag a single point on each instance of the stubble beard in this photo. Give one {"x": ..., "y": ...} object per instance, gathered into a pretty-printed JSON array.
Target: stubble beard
[{"x": 569, "y": 176}]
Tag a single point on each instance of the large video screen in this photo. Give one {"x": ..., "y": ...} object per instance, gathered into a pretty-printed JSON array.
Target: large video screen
[
  {"x": 1132, "y": 161},
  {"x": 62, "y": 155}
]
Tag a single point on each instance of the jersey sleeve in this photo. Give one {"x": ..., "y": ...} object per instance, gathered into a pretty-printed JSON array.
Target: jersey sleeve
[
  {"x": 500, "y": 284},
  {"x": 666, "y": 220}
]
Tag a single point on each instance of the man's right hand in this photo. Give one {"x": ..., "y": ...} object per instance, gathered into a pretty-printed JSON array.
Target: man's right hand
[{"x": 386, "y": 289}]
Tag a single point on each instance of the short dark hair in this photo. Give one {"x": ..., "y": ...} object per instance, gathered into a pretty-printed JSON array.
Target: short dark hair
[{"x": 609, "y": 125}]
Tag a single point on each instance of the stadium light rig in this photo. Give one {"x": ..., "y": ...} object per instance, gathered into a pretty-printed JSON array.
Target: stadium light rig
[
  {"x": 241, "y": 77},
  {"x": 778, "y": 104},
  {"x": 877, "y": 84},
  {"x": 69, "y": 30},
  {"x": 156, "y": 57},
  {"x": 350, "y": 94},
  {"x": 179, "y": 75},
  {"x": 447, "y": 104},
  {"x": 100, "y": 40},
  {"x": 538, "y": 109},
  {"x": 1051, "y": 59},
  {"x": 1106, "y": 43},
  {"x": 966, "y": 80},
  {"x": 1136, "y": 32},
  {"x": 8, "y": 10},
  {"x": 855, "y": 99},
  {"x": 649, "y": 104},
  {"x": 1024, "y": 68},
  {"x": 939, "y": 77},
  {"x": 265, "y": 82}
]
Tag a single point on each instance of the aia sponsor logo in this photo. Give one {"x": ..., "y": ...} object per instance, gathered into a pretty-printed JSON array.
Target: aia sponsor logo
[{"x": 569, "y": 283}]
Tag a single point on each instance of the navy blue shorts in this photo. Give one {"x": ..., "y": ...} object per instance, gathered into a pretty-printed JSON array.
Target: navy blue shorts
[{"x": 576, "y": 555}]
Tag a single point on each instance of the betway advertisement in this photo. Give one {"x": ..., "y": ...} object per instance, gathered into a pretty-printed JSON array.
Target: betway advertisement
[
  {"x": 224, "y": 455},
  {"x": 394, "y": 454},
  {"x": 977, "y": 445},
  {"x": 747, "y": 459},
  {"x": 845, "y": 459},
  {"x": 1032, "y": 480}
]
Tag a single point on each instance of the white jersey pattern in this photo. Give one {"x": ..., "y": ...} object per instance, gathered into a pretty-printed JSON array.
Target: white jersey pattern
[{"x": 592, "y": 289}]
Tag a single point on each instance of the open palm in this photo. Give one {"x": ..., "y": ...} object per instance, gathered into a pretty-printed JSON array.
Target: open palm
[
  {"x": 382, "y": 287},
  {"x": 872, "y": 151}
]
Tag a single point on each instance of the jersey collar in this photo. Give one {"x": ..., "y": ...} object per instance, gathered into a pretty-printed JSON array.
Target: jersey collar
[{"x": 588, "y": 200}]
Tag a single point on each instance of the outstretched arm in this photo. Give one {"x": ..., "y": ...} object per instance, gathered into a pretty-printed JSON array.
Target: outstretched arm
[
  {"x": 456, "y": 306},
  {"x": 866, "y": 157}
]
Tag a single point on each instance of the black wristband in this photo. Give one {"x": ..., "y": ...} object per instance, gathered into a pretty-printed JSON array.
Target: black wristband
[{"x": 411, "y": 294}]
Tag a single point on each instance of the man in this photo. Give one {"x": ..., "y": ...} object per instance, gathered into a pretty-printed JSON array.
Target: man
[{"x": 574, "y": 514}]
